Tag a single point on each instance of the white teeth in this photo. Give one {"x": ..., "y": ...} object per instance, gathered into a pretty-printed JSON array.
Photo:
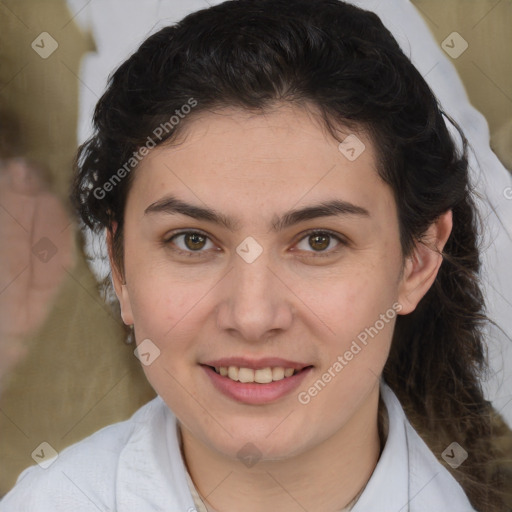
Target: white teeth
[
  {"x": 278, "y": 373},
  {"x": 245, "y": 375},
  {"x": 261, "y": 376},
  {"x": 233, "y": 373}
]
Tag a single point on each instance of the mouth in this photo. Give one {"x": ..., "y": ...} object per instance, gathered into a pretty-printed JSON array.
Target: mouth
[
  {"x": 259, "y": 376},
  {"x": 256, "y": 383}
]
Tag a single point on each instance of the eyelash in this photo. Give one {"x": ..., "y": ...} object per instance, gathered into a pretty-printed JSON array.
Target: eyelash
[{"x": 200, "y": 253}]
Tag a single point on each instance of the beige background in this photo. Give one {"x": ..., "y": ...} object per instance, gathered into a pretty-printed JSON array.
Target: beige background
[{"x": 486, "y": 66}]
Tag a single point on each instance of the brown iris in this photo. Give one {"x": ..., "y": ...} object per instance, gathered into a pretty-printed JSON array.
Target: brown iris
[
  {"x": 318, "y": 242},
  {"x": 194, "y": 241}
]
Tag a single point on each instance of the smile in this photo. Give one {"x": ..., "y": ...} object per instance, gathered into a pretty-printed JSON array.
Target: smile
[
  {"x": 256, "y": 386},
  {"x": 261, "y": 376}
]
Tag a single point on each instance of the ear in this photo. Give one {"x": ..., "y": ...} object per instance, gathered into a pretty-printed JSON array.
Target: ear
[
  {"x": 118, "y": 281},
  {"x": 421, "y": 268}
]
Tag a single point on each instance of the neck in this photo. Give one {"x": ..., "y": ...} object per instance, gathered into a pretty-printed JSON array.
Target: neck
[{"x": 326, "y": 477}]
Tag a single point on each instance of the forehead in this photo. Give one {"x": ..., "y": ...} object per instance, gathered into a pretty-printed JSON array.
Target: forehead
[{"x": 269, "y": 161}]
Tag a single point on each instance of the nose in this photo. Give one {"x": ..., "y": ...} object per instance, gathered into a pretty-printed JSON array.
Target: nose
[{"x": 255, "y": 303}]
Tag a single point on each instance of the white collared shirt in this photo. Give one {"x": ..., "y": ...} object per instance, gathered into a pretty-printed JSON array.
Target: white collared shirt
[{"x": 136, "y": 466}]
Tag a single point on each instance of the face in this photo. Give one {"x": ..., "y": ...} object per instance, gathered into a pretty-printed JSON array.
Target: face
[{"x": 256, "y": 243}]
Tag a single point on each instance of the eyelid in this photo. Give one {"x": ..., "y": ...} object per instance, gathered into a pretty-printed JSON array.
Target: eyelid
[
  {"x": 180, "y": 232},
  {"x": 343, "y": 241},
  {"x": 172, "y": 234}
]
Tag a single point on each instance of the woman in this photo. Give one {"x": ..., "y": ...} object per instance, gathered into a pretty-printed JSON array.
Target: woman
[{"x": 292, "y": 238}]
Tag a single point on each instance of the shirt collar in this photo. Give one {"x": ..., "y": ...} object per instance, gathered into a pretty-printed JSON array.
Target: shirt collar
[
  {"x": 388, "y": 487},
  {"x": 152, "y": 474}
]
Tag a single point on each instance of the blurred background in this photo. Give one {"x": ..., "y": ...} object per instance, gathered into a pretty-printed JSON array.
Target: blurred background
[{"x": 67, "y": 369}]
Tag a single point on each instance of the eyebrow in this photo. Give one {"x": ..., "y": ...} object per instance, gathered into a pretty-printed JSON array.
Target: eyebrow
[{"x": 335, "y": 208}]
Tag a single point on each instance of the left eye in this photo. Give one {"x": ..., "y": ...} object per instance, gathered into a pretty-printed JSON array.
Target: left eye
[
  {"x": 191, "y": 241},
  {"x": 319, "y": 241}
]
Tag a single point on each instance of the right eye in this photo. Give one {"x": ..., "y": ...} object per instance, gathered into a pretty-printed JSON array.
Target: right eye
[{"x": 190, "y": 243}]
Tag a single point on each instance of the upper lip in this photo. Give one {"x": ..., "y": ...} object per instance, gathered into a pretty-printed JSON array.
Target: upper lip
[{"x": 255, "y": 364}]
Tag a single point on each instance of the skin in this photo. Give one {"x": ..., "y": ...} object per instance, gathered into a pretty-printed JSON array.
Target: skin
[{"x": 289, "y": 303}]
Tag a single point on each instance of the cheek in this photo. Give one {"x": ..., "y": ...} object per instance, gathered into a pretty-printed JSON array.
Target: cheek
[
  {"x": 360, "y": 315},
  {"x": 160, "y": 296},
  {"x": 350, "y": 302},
  {"x": 169, "y": 314}
]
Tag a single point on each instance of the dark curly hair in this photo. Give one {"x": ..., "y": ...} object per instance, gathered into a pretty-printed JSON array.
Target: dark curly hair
[{"x": 253, "y": 54}]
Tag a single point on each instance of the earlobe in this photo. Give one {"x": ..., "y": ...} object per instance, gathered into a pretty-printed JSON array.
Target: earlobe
[
  {"x": 118, "y": 280},
  {"x": 421, "y": 268}
]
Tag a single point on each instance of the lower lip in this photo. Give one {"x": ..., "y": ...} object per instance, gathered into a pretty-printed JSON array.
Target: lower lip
[{"x": 254, "y": 393}]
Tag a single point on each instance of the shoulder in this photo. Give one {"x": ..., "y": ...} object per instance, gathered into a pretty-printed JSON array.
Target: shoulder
[
  {"x": 83, "y": 476},
  {"x": 431, "y": 485}
]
